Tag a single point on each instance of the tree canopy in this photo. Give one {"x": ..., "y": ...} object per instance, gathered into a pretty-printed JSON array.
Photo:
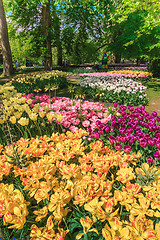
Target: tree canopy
[{"x": 80, "y": 30}]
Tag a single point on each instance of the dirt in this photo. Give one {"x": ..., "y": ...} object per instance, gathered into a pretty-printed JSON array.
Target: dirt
[{"x": 73, "y": 78}]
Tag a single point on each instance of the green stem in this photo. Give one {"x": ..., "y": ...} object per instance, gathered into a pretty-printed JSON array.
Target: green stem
[
  {"x": 121, "y": 210},
  {"x": 85, "y": 237},
  {"x": 49, "y": 99},
  {"x": 28, "y": 132},
  {"x": 20, "y": 188},
  {"x": 67, "y": 227},
  {"x": 9, "y": 133},
  {"x": 80, "y": 105},
  {"x": 77, "y": 208},
  {"x": 51, "y": 122},
  {"x": 30, "y": 221},
  {"x": 37, "y": 124},
  {"x": 22, "y": 231},
  {"x": 19, "y": 129},
  {"x": 15, "y": 153}
]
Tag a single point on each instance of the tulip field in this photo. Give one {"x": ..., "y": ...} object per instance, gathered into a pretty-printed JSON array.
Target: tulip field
[{"x": 84, "y": 166}]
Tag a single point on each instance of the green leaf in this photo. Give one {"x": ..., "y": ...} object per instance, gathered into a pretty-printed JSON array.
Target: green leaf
[
  {"x": 25, "y": 134},
  {"x": 74, "y": 225}
]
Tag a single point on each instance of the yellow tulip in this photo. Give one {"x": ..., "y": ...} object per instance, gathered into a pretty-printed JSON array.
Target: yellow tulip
[
  {"x": 58, "y": 116},
  {"x": 42, "y": 213},
  {"x": 42, "y": 114},
  {"x": 13, "y": 119},
  {"x": 29, "y": 101},
  {"x": 33, "y": 116},
  {"x": 1, "y": 121},
  {"x": 17, "y": 114},
  {"x": 50, "y": 116},
  {"x": 23, "y": 121},
  {"x": 86, "y": 224},
  {"x": 46, "y": 108}
]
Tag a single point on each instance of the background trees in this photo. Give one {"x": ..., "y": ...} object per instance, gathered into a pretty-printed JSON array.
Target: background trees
[{"x": 82, "y": 30}]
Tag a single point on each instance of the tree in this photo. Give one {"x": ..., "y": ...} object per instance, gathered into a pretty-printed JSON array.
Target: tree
[
  {"x": 47, "y": 19},
  {"x": 46, "y": 26},
  {"x": 132, "y": 28},
  {"x": 140, "y": 23},
  {"x": 151, "y": 7},
  {"x": 57, "y": 41},
  {"x": 110, "y": 28},
  {"x": 25, "y": 44},
  {"x": 34, "y": 18},
  {"x": 82, "y": 28},
  {"x": 6, "y": 50}
]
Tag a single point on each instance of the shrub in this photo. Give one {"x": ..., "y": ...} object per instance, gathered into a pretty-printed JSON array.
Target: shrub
[{"x": 154, "y": 67}]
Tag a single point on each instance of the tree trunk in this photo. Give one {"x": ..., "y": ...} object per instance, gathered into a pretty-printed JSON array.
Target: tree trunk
[
  {"x": 56, "y": 26},
  {"x": 117, "y": 58},
  {"x": 46, "y": 25},
  {"x": 59, "y": 55},
  {"x": 138, "y": 61},
  {"x": 6, "y": 50}
]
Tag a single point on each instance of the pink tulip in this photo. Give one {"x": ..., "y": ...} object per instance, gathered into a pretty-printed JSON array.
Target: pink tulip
[{"x": 86, "y": 123}]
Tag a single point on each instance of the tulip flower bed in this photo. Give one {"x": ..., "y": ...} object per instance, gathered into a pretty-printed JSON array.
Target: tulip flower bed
[
  {"x": 58, "y": 188},
  {"x": 130, "y": 68},
  {"x": 39, "y": 81},
  {"x": 134, "y": 130},
  {"x": 100, "y": 180},
  {"x": 75, "y": 113},
  {"x": 131, "y": 130},
  {"x": 114, "y": 89},
  {"x": 29, "y": 116},
  {"x": 120, "y": 73}
]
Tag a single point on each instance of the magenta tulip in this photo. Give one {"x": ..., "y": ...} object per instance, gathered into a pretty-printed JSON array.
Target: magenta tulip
[{"x": 127, "y": 148}]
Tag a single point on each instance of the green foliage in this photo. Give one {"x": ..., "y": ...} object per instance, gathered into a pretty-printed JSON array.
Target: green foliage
[
  {"x": 68, "y": 39},
  {"x": 25, "y": 45},
  {"x": 150, "y": 6},
  {"x": 146, "y": 177},
  {"x": 154, "y": 67},
  {"x": 131, "y": 42},
  {"x": 17, "y": 159},
  {"x": 138, "y": 29},
  {"x": 84, "y": 51},
  {"x": 128, "y": 30}
]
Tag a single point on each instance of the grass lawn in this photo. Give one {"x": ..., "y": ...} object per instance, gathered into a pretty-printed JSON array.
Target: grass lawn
[{"x": 153, "y": 93}]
